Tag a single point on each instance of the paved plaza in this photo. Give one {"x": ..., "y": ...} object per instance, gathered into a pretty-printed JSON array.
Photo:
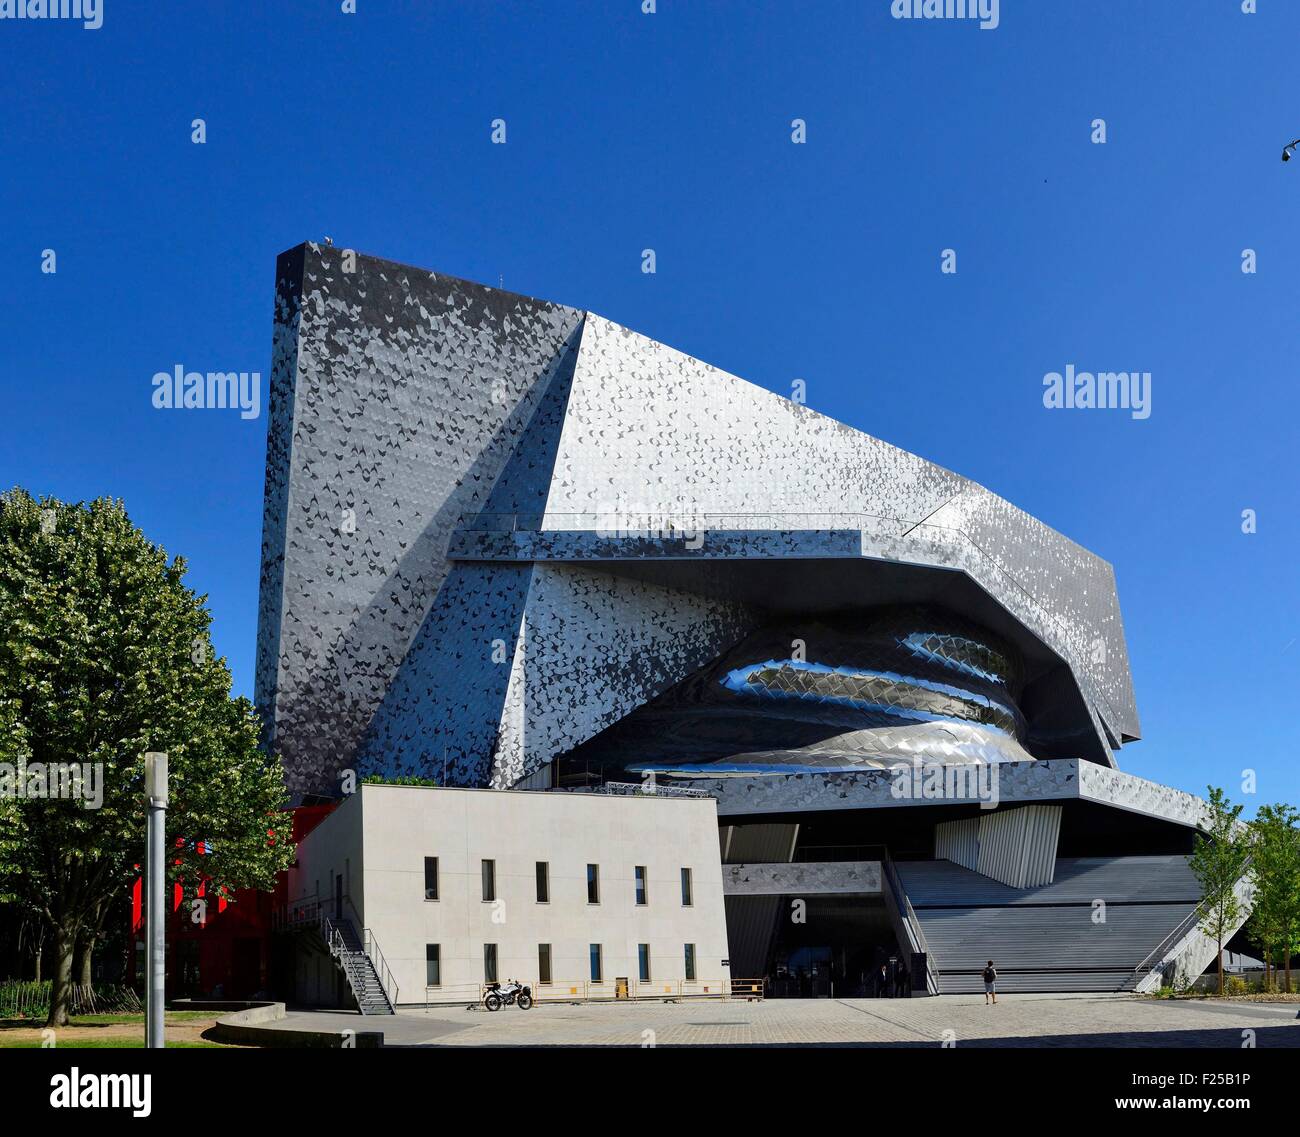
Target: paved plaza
[{"x": 961, "y": 1020}]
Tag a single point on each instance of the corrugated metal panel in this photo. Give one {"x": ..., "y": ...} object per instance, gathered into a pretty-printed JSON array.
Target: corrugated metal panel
[
  {"x": 1001, "y": 836},
  {"x": 1018, "y": 846},
  {"x": 1042, "y": 828},
  {"x": 761, "y": 844},
  {"x": 958, "y": 841}
]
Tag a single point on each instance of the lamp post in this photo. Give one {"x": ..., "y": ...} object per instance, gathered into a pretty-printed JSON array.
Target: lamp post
[
  {"x": 155, "y": 788},
  {"x": 1289, "y": 149}
]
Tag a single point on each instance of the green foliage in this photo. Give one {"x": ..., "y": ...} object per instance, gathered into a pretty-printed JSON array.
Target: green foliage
[
  {"x": 106, "y": 655},
  {"x": 399, "y": 780},
  {"x": 1219, "y": 860},
  {"x": 30, "y": 998},
  {"x": 1275, "y": 847}
]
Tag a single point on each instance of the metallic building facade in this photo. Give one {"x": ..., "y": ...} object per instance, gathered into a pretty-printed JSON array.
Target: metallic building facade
[{"x": 498, "y": 532}]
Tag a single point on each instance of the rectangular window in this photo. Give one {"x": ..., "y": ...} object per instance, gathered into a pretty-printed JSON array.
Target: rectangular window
[
  {"x": 431, "y": 878},
  {"x": 543, "y": 883},
  {"x": 489, "y": 963},
  {"x": 543, "y": 963},
  {"x": 489, "y": 880},
  {"x": 593, "y": 884},
  {"x": 639, "y": 871},
  {"x": 690, "y": 962},
  {"x": 433, "y": 965},
  {"x": 595, "y": 963},
  {"x": 643, "y": 961},
  {"x": 688, "y": 897}
]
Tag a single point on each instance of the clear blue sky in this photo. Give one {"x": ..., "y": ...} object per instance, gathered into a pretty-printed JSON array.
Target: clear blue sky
[{"x": 775, "y": 261}]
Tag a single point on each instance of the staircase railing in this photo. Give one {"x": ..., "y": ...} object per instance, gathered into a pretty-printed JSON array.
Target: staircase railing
[
  {"x": 910, "y": 922},
  {"x": 1185, "y": 925},
  {"x": 380, "y": 964},
  {"x": 347, "y": 958}
]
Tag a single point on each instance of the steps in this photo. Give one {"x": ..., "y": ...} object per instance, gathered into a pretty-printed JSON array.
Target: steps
[
  {"x": 349, "y": 953},
  {"x": 1049, "y": 937}
]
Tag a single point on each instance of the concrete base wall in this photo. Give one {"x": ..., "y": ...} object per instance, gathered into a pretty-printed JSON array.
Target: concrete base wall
[{"x": 399, "y": 826}]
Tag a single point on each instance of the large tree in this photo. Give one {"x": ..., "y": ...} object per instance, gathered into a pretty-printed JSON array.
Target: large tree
[
  {"x": 105, "y": 654},
  {"x": 1275, "y": 920},
  {"x": 1219, "y": 860}
]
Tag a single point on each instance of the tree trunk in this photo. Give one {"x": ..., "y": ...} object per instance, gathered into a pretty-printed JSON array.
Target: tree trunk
[
  {"x": 65, "y": 943},
  {"x": 39, "y": 951},
  {"x": 1220, "y": 967},
  {"x": 85, "y": 951}
]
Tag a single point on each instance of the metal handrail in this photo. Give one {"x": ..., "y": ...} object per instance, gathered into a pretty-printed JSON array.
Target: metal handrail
[
  {"x": 346, "y": 959},
  {"x": 1185, "y": 925},
  {"x": 312, "y": 909},
  {"x": 339, "y": 949},
  {"x": 667, "y": 522},
  {"x": 380, "y": 964},
  {"x": 910, "y": 921},
  {"x": 605, "y": 990}
]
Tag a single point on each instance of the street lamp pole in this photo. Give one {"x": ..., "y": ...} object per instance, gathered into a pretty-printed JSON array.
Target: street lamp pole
[{"x": 155, "y": 788}]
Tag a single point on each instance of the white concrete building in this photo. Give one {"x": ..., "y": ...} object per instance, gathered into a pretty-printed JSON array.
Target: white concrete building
[{"x": 585, "y": 894}]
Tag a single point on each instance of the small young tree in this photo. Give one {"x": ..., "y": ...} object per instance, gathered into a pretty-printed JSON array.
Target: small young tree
[
  {"x": 1219, "y": 859},
  {"x": 106, "y": 655}
]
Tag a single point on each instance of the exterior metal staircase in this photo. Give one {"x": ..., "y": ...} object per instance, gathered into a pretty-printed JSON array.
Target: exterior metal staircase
[
  {"x": 354, "y": 956},
  {"x": 358, "y": 956}
]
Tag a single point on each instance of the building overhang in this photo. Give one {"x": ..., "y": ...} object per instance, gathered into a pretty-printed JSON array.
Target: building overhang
[
  {"x": 991, "y": 787},
  {"x": 847, "y": 564}
]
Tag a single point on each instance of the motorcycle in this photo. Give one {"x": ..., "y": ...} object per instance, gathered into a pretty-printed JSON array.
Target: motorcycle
[{"x": 514, "y": 992}]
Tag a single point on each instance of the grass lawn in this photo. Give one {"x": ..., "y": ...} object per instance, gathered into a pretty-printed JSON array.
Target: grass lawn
[{"x": 183, "y": 1029}]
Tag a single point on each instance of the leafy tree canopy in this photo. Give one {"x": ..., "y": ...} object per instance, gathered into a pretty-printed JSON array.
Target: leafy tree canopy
[{"x": 106, "y": 654}]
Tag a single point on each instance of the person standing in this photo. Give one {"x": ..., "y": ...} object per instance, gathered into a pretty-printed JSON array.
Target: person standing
[{"x": 990, "y": 984}]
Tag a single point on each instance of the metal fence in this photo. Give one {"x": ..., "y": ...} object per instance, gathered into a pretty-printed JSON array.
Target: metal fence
[{"x": 605, "y": 991}]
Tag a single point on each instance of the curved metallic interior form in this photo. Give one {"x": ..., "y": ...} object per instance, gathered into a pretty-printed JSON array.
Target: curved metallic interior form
[{"x": 866, "y": 690}]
